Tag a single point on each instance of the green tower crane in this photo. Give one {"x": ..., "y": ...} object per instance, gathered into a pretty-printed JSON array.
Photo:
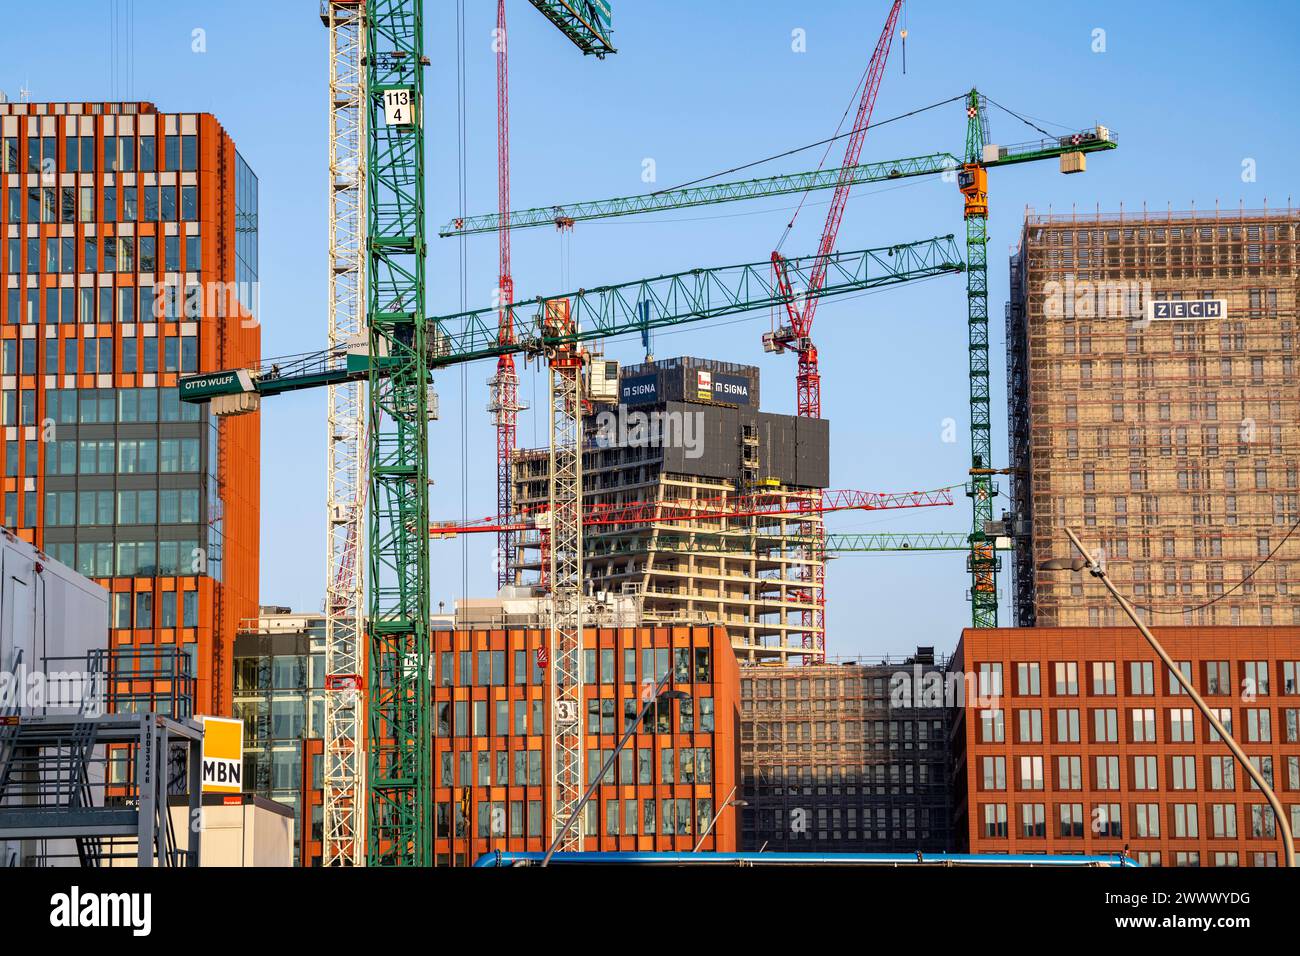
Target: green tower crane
[{"x": 971, "y": 174}]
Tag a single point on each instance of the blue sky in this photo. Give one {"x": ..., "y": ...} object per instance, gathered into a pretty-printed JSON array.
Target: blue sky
[{"x": 1191, "y": 89}]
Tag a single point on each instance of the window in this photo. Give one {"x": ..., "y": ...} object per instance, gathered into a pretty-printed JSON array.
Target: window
[
  {"x": 1223, "y": 820},
  {"x": 1180, "y": 726},
  {"x": 1141, "y": 678},
  {"x": 1258, "y": 725},
  {"x": 992, "y": 729},
  {"x": 1106, "y": 773},
  {"x": 1107, "y": 820},
  {"x": 1218, "y": 679},
  {"x": 1030, "y": 726},
  {"x": 990, "y": 680},
  {"x": 1067, "y": 726},
  {"x": 1105, "y": 725},
  {"x": 1103, "y": 677},
  {"x": 1183, "y": 772},
  {"x": 1143, "y": 724},
  {"x": 1184, "y": 820},
  {"x": 1146, "y": 820},
  {"x": 1031, "y": 773},
  {"x": 1027, "y": 679},
  {"x": 1069, "y": 774},
  {"x": 994, "y": 773},
  {"x": 1067, "y": 678},
  {"x": 1255, "y": 678},
  {"x": 1032, "y": 820},
  {"x": 1070, "y": 817},
  {"x": 1145, "y": 773},
  {"x": 995, "y": 819}
]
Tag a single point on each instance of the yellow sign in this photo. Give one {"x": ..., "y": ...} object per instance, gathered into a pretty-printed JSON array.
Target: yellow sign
[{"x": 223, "y": 755}]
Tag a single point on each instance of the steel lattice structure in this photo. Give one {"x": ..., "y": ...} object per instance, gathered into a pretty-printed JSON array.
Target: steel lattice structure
[
  {"x": 503, "y": 401},
  {"x": 565, "y": 572},
  {"x": 973, "y": 181},
  {"x": 343, "y": 775},
  {"x": 397, "y": 626}
]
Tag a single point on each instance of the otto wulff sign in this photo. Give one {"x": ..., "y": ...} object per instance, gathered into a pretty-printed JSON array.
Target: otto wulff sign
[{"x": 223, "y": 755}]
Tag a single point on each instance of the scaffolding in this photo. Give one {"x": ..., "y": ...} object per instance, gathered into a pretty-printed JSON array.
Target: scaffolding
[
  {"x": 1172, "y": 444},
  {"x": 828, "y": 763},
  {"x": 759, "y": 591},
  {"x": 85, "y": 778}
]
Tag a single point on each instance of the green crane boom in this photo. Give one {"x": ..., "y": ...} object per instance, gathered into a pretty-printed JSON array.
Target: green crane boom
[
  {"x": 602, "y": 312},
  {"x": 585, "y": 22},
  {"x": 971, "y": 171},
  {"x": 1089, "y": 141}
]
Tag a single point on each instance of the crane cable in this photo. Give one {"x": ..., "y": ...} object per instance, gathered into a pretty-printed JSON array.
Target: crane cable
[{"x": 800, "y": 149}]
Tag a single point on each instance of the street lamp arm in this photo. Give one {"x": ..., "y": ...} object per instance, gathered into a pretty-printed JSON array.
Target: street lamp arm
[
  {"x": 609, "y": 762},
  {"x": 1284, "y": 824}
]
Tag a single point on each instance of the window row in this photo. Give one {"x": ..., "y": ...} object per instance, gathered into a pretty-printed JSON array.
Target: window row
[
  {"x": 143, "y": 354},
  {"x": 58, "y": 255},
  {"x": 116, "y": 154},
  {"x": 128, "y": 304},
  {"x": 1180, "y": 820},
  {"x": 1253, "y": 678},
  {"x": 488, "y": 668},
  {"x": 1144, "y": 772},
  {"x": 1140, "y": 725},
  {"x": 103, "y": 559},
  {"x": 67, "y": 205}
]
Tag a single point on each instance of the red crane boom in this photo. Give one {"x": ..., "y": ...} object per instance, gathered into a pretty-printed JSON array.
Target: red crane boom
[{"x": 798, "y": 335}]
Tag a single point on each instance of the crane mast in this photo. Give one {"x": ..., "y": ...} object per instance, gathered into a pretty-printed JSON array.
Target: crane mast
[
  {"x": 503, "y": 400},
  {"x": 343, "y": 810},
  {"x": 973, "y": 182},
  {"x": 399, "y": 732}
]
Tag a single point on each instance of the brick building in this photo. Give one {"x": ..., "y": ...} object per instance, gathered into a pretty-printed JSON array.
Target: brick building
[
  {"x": 1153, "y": 404},
  {"x": 491, "y": 760},
  {"x": 1089, "y": 746},
  {"x": 129, "y": 258}
]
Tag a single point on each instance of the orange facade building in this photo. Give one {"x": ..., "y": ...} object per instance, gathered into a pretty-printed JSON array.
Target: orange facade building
[
  {"x": 129, "y": 259},
  {"x": 491, "y": 761},
  {"x": 1081, "y": 742}
]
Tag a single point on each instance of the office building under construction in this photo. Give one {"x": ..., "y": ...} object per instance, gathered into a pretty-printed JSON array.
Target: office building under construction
[
  {"x": 845, "y": 758},
  {"x": 1153, "y": 408},
  {"x": 698, "y": 503}
]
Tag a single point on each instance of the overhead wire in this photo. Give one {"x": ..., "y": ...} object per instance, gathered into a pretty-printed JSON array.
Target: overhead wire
[{"x": 1253, "y": 571}]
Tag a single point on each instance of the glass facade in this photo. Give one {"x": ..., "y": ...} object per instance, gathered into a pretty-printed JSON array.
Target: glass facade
[
  {"x": 279, "y": 693},
  {"x": 118, "y": 261}
]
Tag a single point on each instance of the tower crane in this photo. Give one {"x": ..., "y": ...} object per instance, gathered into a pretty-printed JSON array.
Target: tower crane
[
  {"x": 555, "y": 329},
  {"x": 587, "y": 24},
  {"x": 342, "y": 777},
  {"x": 504, "y": 401},
  {"x": 970, "y": 170},
  {"x": 798, "y": 334}
]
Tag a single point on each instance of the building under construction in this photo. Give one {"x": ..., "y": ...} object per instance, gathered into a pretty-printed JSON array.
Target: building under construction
[
  {"x": 1153, "y": 407},
  {"x": 685, "y": 436},
  {"x": 844, "y": 758}
]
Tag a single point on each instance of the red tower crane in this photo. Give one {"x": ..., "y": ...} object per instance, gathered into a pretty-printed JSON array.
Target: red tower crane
[
  {"x": 504, "y": 395},
  {"x": 798, "y": 334}
]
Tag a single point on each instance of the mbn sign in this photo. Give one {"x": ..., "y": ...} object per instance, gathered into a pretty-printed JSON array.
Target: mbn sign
[{"x": 221, "y": 772}]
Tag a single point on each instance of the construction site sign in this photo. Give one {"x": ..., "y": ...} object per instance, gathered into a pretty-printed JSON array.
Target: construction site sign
[{"x": 223, "y": 755}]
